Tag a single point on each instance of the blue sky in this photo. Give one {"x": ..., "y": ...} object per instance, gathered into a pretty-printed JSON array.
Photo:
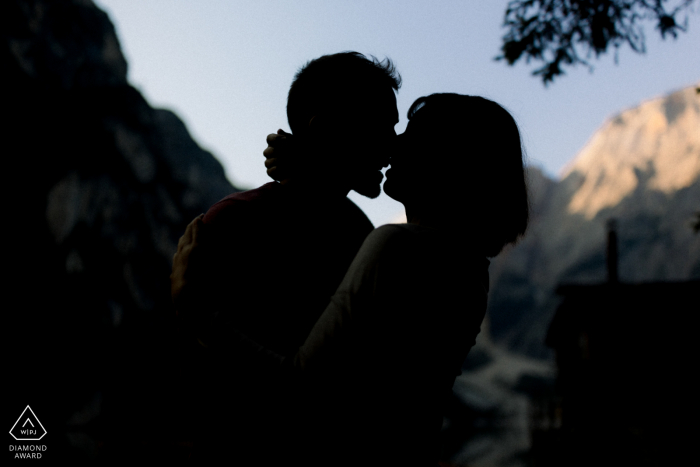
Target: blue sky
[{"x": 225, "y": 67}]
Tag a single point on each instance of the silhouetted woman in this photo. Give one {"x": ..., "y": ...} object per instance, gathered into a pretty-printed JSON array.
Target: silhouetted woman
[{"x": 373, "y": 374}]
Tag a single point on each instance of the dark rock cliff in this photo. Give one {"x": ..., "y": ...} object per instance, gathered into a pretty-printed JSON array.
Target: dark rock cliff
[{"x": 99, "y": 187}]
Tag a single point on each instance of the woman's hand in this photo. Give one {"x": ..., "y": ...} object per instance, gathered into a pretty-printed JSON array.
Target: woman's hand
[
  {"x": 180, "y": 278},
  {"x": 279, "y": 156}
]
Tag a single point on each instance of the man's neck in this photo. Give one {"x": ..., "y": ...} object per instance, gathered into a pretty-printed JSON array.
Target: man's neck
[{"x": 322, "y": 190}]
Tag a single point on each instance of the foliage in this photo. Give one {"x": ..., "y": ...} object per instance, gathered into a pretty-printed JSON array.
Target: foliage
[{"x": 568, "y": 32}]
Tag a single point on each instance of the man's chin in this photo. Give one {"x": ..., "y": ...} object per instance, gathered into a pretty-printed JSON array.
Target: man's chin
[
  {"x": 369, "y": 192},
  {"x": 368, "y": 188}
]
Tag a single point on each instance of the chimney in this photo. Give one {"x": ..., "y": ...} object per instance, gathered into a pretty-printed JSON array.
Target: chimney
[{"x": 611, "y": 253}]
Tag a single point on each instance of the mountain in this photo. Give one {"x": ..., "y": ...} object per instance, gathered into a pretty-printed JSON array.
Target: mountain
[
  {"x": 641, "y": 168},
  {"x": 99, "y": 187}
]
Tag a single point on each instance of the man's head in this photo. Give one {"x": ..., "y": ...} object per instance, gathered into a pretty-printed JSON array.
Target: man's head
[{"x": 342, "y": 110}]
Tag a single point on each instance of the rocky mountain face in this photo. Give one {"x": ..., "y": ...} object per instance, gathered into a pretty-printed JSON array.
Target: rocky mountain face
[
  {"x": 99, "y": 187},
  {"x": 641, "y": 168}
]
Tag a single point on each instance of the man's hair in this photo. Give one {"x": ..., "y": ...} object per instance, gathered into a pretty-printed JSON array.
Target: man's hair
[{"x": 333, "y": 81}]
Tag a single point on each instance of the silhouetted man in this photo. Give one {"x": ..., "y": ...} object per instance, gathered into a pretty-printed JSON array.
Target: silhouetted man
[{"x": 272, "y": 257}]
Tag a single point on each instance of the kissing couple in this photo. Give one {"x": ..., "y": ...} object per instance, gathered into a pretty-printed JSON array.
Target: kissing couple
[{"x": 321, "y": 340}]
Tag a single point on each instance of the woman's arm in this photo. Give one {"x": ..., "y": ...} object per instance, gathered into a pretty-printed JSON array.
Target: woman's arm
[
  {"x": 334, "y": 335},
  {"x": 321, "y": 350}
]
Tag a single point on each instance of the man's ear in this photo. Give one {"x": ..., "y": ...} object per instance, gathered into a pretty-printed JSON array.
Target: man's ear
[
  {"x": 319, "y": 125},
  {"x": 315, "y": 125}
]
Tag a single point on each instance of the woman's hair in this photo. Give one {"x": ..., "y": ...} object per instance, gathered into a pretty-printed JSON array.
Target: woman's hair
[{"x": 484, "y": 169}]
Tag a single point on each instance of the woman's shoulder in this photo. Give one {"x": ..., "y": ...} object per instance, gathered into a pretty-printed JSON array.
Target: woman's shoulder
[
  {"x": 416, "y": 237},
  {"x": 389, "y": 238},
  {"x": 386, "y": 246},
  {"x": 406, "y": 232},
  {"x": 397, "y": 240}
]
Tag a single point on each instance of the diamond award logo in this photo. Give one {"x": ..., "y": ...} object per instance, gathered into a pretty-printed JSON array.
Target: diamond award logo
[{"x": 27, "y": 427}]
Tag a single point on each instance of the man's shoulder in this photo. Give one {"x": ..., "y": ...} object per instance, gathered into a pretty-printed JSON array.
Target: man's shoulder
[
  {"x": 241, "y": 203},
  {"x": 272, "y": 200}
]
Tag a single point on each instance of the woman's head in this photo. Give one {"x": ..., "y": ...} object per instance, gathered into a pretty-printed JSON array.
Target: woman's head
[{"x": 461, "y": 158}]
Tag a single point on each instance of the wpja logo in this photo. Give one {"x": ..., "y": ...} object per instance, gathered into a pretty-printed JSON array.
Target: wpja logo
[{"x": 28, "y": 428}]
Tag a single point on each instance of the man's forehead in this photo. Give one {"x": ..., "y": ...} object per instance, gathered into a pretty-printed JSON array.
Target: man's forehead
[
  {"x": 380, "y": 104},
  {"x": 368, "y": 106}
]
